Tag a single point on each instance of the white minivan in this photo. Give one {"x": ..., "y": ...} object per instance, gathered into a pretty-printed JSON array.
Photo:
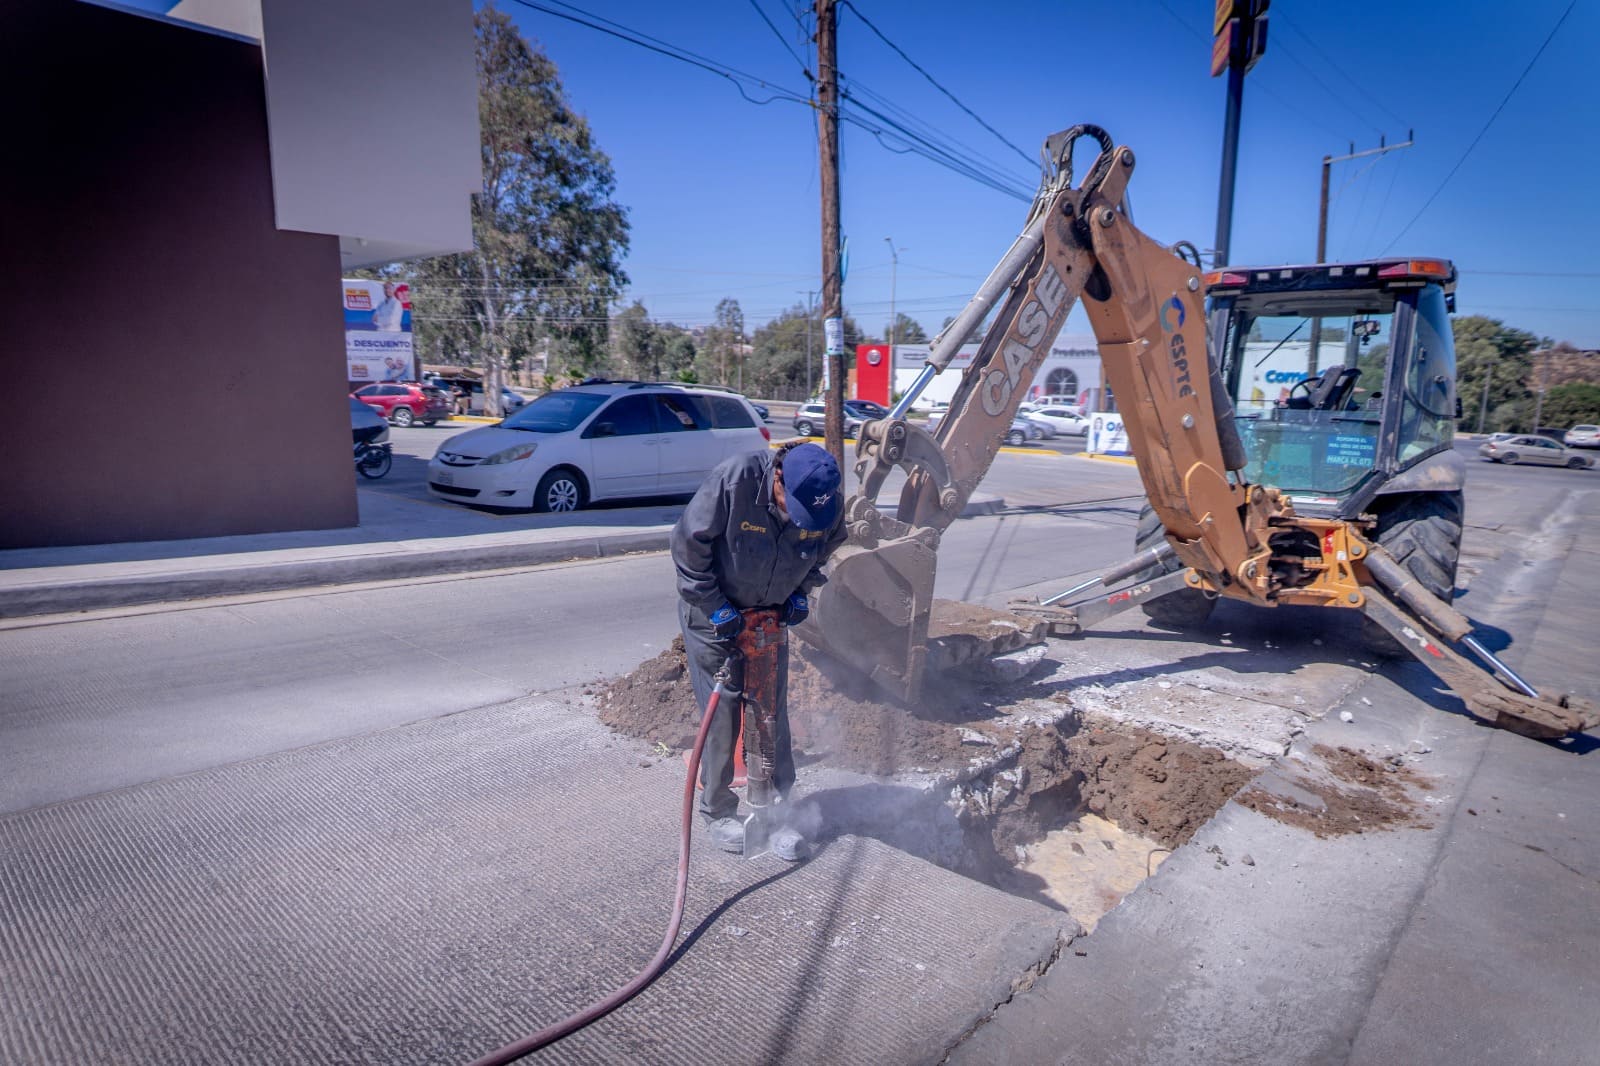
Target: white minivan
[{"x": 572, "y": 447}]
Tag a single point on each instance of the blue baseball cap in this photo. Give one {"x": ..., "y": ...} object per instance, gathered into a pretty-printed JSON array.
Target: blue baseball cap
[{"x": 811, "y": 487}]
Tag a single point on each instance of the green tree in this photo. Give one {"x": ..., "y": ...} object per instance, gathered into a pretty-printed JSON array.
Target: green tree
[
  {"x": 908, "y": 330},
  {"x": 1493, "y": 362},
  {"x": 637, "y": 343},
  {"x": 720, "y": 359},
  {"x": 1573, "y": 404},
  {"x": 973, "y": 337},
  {"x": 548, "y": 238}
]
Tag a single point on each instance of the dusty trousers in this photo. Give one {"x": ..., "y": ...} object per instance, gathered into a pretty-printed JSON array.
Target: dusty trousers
[{"x": 706, "y": 656}]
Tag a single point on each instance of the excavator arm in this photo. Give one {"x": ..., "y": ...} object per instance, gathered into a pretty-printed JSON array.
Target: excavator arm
[{"x": 1146, "y": 306}]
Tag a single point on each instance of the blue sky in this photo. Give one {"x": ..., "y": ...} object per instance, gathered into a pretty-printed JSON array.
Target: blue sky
[{"x": 723, "y": 194}]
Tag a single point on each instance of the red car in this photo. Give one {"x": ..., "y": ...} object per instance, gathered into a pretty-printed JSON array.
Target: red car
[{"x": 404, "y": 403}]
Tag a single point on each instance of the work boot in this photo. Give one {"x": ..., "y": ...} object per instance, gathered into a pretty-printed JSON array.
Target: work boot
[
  {"x": 727, "y": 834},
  {"x": 788, "y": 845}
]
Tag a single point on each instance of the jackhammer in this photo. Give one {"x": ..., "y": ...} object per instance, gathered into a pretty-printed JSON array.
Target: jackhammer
[{"x": 749, "y": 678}]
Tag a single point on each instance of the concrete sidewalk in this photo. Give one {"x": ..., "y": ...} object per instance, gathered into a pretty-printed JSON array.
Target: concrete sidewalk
[{"x": 397, "y": 538}]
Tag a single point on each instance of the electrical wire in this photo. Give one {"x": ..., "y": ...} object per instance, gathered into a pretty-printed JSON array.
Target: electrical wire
[
  {"x": 881, "y": 128},
  {"x": 1279, "y": 18},
  {"x": 1271, "y": 93},
  {"x": 932, "y": 81},
  {"x": 804, "y": 69},
  {"x": 1504, "y": 100},
  {"x": 671, "y": 51}
]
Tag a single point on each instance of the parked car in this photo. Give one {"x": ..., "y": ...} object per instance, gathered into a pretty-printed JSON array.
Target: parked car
[
  {"x": 1064, "y": 419},
  {"x": 1531, "y": 449},
  {"x": 509, "y": 401},
  {"x": 1585, "y": 436},
  {"x": 866, "y": 409},
  {"x": 923, "y": 405},
  {"x": 571, "y": 447},
  {"x": 811, "y": 418},
  {"x": 761, "y": 409},
  {"x": 403, "y": 403},
  {"x": 366, "y": 425},
  {"x": 1020, "y": 432},
  {"x": 1046, "y": 430}
]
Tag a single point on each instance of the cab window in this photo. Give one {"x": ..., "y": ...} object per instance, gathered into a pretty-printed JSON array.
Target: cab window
[{"x": 1428, "y": 409}]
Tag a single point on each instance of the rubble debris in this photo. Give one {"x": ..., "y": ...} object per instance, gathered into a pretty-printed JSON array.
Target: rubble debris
[{"x": 1354, "y": 792}]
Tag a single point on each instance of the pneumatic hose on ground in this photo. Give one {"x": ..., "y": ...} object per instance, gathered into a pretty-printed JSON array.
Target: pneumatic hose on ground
[{"x": 567, "y": 1026}]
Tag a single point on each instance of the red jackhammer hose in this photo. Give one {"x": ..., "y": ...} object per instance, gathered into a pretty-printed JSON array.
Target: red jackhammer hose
[{"x": 550, "y": 1034}]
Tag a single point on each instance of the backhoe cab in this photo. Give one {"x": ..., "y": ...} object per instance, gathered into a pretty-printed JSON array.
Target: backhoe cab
[{"x": 1342, "y": 379}]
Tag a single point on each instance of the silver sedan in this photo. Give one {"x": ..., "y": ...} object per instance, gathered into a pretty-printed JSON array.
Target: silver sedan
[{"x": 1541, "y": 450}]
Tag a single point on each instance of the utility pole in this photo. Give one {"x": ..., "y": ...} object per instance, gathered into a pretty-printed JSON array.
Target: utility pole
[
  {"x": 832, "y": 283},
  {"x": 811, "y": 296},
  {"x": 1240, "y": 39},
  {"x": 1322, "y": 229}
]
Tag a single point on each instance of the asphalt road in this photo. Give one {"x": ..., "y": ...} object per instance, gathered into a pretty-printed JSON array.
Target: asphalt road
[
  {"x": 302, "y": 667},
  {"x": 1398, "y": 962}
]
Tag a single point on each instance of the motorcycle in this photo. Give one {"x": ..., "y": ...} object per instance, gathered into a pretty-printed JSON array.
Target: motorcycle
[{"x": 373, "y": 460}]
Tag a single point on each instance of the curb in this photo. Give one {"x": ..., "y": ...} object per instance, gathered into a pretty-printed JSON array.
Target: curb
[
  {"x": 1125, "y": 460},
  {"x": 399, "y": 562}
]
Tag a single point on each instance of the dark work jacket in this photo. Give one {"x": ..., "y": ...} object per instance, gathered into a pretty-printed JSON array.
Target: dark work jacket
[{"x": 732, "y": 546}]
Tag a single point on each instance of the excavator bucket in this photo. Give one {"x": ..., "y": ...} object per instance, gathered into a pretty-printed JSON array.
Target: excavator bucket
[{"x": 873, "y": 613}]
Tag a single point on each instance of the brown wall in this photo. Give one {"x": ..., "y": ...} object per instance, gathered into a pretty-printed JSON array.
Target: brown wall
[{"x": 172, "y": 364}]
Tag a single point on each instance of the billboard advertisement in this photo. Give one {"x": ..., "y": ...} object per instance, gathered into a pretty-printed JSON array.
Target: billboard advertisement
[
  {"x": 1107, "y": 435},
  {"x": 377, "y": 330}
]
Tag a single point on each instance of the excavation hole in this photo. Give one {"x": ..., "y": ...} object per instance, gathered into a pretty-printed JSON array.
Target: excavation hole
[{"x": 1004, "y": 782}]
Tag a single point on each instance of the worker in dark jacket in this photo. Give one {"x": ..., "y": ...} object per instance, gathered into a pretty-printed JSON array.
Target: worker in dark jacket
[{"x": 755, "y": 535}]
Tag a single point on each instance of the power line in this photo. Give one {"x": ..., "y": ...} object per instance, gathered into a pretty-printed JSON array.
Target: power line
[
  {"x": 886, "y": 126},
  {"x": 1505, "y": 100},
  {"x": 1278, "y": 17},
  {"x": 914, "y": 66},
  {"x": 782, "y": 40},
  {"x": 929, "y": 131},
  {"x": 1344, "y": 103},
  {"x": 1197, "y": 35},
  {"x": 671, "y": 51}
]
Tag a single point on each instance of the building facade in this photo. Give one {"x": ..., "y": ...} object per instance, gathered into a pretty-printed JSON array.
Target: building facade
[{"x": 175, "y": 228}]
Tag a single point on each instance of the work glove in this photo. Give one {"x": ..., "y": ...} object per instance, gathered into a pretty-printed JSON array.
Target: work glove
[
  {"x": 727, "y": 622},
  {"x": 795, "y": 609}
]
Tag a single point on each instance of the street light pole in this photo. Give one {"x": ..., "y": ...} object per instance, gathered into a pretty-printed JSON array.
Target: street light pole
[
  {"x": 811, "y": 312},
  {"x": 894, "y": 320}
]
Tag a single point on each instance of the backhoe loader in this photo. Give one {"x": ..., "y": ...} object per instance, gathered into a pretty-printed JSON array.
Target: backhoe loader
[{"x": 1292, "y": 427}]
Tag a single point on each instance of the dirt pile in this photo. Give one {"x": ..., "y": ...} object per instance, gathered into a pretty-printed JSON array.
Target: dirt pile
[
  {"x": 841, "y": 722},
  {"x": 1038, "y": 777},
  {"x": 1352, "y": 793},
  {"x": 1156, "y": 786}
]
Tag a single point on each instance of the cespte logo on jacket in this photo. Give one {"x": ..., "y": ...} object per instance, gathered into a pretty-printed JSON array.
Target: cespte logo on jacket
[{"x": 751, "y": 527}]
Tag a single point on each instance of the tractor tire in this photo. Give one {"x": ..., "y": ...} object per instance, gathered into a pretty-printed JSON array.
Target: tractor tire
[
  {"x": 1423, "y": 533},
  {"x": 1183, "y": 609}
]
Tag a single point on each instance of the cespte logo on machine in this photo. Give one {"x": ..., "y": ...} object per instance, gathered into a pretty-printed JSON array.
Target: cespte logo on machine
[{"x": 1175, "y": 346}]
